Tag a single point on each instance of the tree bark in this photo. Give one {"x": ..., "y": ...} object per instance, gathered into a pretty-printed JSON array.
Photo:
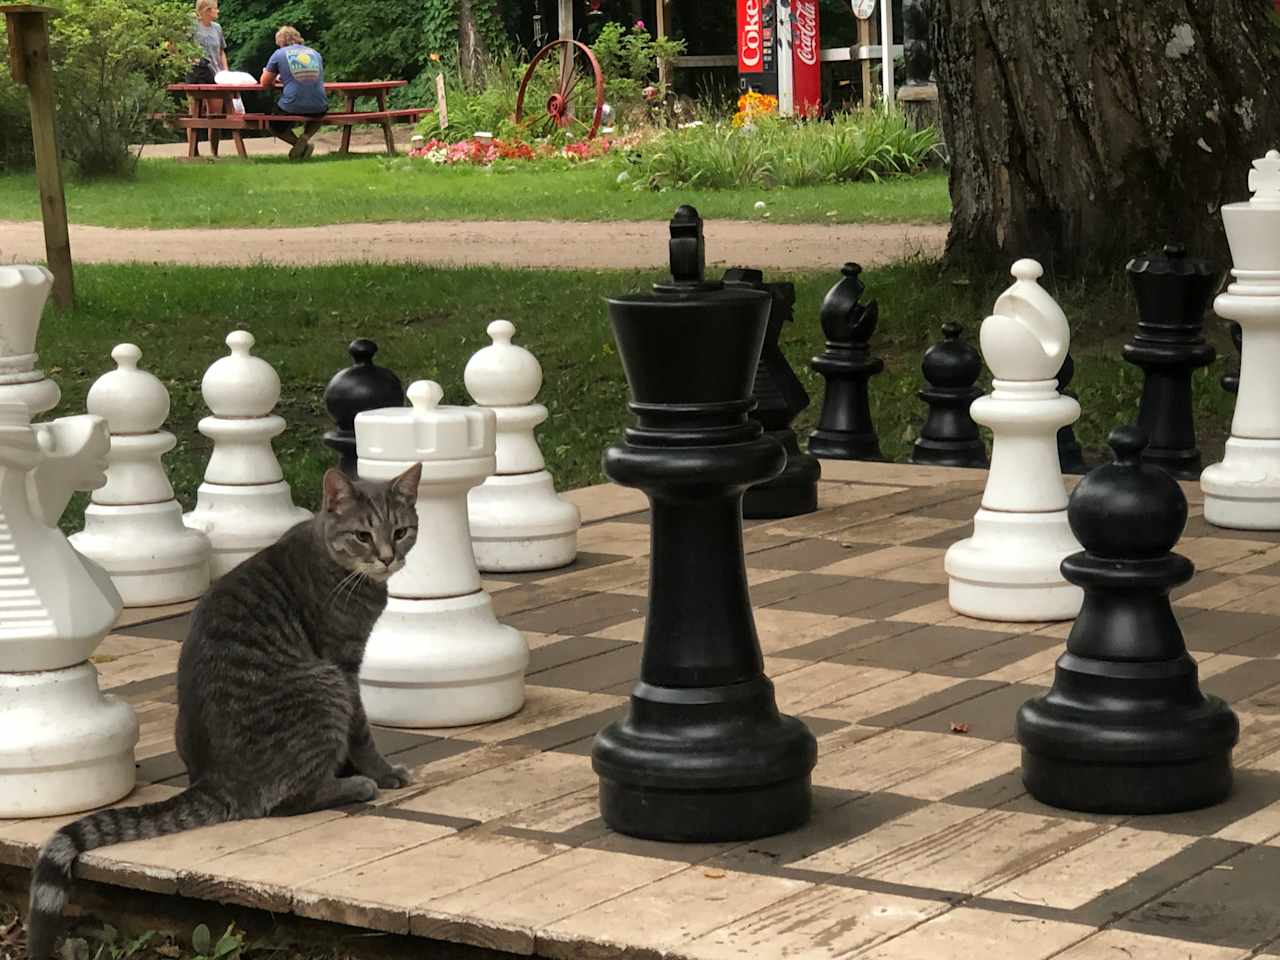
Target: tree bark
[
  {"x": 1082, "y": 132},
  {"x": 472, "y": 52}
]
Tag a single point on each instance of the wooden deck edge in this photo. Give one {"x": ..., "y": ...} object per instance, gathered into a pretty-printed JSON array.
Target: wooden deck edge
[{"x": 135, "y": 911}]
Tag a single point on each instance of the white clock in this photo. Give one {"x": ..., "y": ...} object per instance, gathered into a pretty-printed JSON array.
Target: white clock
[{"x": 863, "y": 9}]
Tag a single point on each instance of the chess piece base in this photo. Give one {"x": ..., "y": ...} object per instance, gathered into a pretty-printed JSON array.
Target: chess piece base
[
  {"x": 67, "y": 747},
  {"x": 793, "y": 492},
  {"x": 1009, "y": 570},
  {"x": 839, "y": 445},
  {"x": 443, "y": 662},
  {"x": 518, "y": 523},
  {"x": 1127, "y": 738},
  {"x": 241, "y": 520},
  {"x": 706, "y": 764},
  {"x": 950, "y": 453},
  {"x": 150, "y": 555},
  {"x": 1243, "y": 491}
]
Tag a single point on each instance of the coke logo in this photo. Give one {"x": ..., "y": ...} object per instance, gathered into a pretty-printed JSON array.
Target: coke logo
[
  {"x": 750, "y": 44},
  {"x": 806, "y": 21}
]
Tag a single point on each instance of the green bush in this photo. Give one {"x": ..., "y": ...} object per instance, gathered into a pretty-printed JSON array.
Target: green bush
[
  {"x": 488, "y": 104},
  {"x": 864, "y": 145},
  {"x": 629, "y": 61},
  {"x": 112, "y": 59},
  {"x": 15, "y": 122}
]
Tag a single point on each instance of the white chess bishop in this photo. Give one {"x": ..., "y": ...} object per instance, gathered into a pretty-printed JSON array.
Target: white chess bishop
[
  {"x": 1009, "y": 569},
  {"x": 1243, "y": 491},
  {"x": 244, "y": 503},
  {"x": 133, "y": 526},
  {"x": 518, "y": 522},
  {"x": 64, "y": 747},
  {"x": 437, "y": 657}
]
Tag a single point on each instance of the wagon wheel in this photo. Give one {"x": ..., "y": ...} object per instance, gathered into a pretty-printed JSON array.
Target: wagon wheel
[{"x": 564, "y": 89}]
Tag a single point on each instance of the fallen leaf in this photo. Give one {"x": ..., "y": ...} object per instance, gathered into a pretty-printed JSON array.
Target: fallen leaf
[
  {"x": 713, "y": 874},
  {"x": 959, "y": 727}
]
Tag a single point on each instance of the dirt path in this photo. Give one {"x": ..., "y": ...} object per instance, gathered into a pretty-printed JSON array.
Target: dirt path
[{"x": 555, "y": 245}]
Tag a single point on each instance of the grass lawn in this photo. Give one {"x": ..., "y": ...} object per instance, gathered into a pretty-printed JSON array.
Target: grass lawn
[
  {"x": 271, "y": 191},
  {"x": 429, "y": 321}
]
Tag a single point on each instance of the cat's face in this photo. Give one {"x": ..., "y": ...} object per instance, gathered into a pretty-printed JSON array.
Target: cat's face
[{"x": 370, "y": 525}]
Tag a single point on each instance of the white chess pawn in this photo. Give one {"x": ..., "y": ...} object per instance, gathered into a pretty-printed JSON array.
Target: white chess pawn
[
  {"x": 437, "y": 657},
  {"x": 1009, "y": 568},
  {"x": 133, "y": 526},
  {"x": 64, "y": 747},
  {"x": 244, "y": 503},
  {"x": 23, "y": 292},
  {"x": 1243, "y": 491},
  {"x": 517, "y": 520}
]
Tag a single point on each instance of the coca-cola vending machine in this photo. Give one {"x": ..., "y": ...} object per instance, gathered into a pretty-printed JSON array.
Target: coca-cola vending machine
[{"x": 779, "y": 53}]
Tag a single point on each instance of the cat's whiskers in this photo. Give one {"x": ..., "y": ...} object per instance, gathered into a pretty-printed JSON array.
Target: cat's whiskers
[{"x": 338, "y": 589}]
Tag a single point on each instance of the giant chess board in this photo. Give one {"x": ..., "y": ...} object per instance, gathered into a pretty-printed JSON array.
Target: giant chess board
[{"x": 923, "y": 843}]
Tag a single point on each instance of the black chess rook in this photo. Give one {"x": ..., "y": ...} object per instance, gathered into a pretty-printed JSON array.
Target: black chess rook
[
  {"x": 702, "y": 753},
  {"x": 1125, "y": 728}
]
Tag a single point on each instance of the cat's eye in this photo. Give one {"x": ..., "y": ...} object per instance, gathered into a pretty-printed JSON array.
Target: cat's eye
[
  {"x": 364, "y": 536},
  {"x": 402, "y": 532}
]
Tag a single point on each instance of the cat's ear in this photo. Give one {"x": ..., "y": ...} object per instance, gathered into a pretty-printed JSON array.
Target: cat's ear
[
  {"x": 406, "y": 485},
  {"x": 339, "y": 491}
]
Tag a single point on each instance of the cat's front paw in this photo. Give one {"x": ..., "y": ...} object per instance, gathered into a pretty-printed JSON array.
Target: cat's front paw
[{"x": 395, "y": 778}]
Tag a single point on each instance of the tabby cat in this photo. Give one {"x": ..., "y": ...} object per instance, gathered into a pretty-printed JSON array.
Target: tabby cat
[{"x": 269, "y": 714}]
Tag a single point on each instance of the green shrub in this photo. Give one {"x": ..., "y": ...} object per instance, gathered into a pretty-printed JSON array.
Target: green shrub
[
  {"x": 629, "y": 61},
  {"x": 112, "y": 59},
  {"x": 15, "y": 122},
  {"x": 864, "y": 145},
  {"x": 488, "y": 104}
]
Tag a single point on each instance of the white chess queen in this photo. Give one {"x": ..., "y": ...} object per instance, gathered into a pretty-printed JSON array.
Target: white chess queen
[{"x": 1009, "y": 569}]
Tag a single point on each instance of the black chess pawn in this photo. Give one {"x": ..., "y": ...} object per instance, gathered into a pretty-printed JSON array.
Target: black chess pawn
[
  {"x": 1070, "y": 456},
  {"x": 702, "y": 754},
  {"x": 1125, "y": 728},
  {"x": 949, "y": 437},
  {"x": 780, "y": 397},
  {"x": 361, "y": 386},
  {"x": 1231, "y": 379},
  {"x": 1173, "y": 292},
  {"x": 845, "y": 430}
]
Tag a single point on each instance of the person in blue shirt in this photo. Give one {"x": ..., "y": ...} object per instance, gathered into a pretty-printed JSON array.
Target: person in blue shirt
[{"x": 301, "y": 70}]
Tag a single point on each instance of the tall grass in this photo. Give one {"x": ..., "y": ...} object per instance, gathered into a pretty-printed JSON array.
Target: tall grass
[{"x": 863, "y": 145}]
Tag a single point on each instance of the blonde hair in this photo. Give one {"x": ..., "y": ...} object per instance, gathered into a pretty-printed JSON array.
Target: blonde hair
[
  {"x": 288, "y": 35},
  {"x": 203, "y": 5}
]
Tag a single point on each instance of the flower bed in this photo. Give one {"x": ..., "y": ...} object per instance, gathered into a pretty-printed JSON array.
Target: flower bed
[{"x": 482, "y": 153}]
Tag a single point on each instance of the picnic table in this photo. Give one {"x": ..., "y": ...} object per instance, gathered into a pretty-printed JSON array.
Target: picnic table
[{"x": 209, "y": 108}]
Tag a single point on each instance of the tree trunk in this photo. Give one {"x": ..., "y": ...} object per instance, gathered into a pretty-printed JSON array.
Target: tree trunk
[
  {"x": 1082, "y": 132},
  {"x": 472, "y": 52}
]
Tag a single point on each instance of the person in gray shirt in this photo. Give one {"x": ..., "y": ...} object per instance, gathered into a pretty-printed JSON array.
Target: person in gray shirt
[{"x": 208, "y": 36}]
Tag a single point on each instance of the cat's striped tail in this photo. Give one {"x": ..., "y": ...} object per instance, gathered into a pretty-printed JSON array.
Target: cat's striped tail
[{"x": 197, "y": 806}]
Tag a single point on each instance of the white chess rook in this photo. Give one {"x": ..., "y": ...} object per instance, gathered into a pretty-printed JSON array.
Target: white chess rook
[
  {"x": 518, "y": 523},
  {"x": 1243, "y": 491},
  {"x": 65, "y": 747},
  {"x": 133, "y": 526},
  {"x": 23, "y": 292},
  {"x": 1009, "y": 569},
  {"x": 437, "y": 657},
  {"x": 244, "y": 503}
]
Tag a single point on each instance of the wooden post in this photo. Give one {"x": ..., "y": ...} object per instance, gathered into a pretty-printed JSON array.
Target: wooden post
[
  {"x": 865, "y": 39},
  {"x": 660, "y": 27},
  {"x": 566, "y": 19},
  {"x": 28, "y": 30}
]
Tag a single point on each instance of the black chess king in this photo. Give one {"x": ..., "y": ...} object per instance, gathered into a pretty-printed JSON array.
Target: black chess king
[{"x": 702, "y": 754}]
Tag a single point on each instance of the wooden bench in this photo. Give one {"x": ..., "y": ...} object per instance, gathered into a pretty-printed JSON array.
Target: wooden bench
[{"x": 210, "y": 109}]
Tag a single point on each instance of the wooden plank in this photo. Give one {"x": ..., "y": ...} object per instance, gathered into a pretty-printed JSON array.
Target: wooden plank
[
  {"x": 660, "y": 24},
  {"x": 28, "y": 8},
  {"x": 33, "y": 41},
  {"x": 566, "y": 19},
  {"x": 865, "y": 30}
]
